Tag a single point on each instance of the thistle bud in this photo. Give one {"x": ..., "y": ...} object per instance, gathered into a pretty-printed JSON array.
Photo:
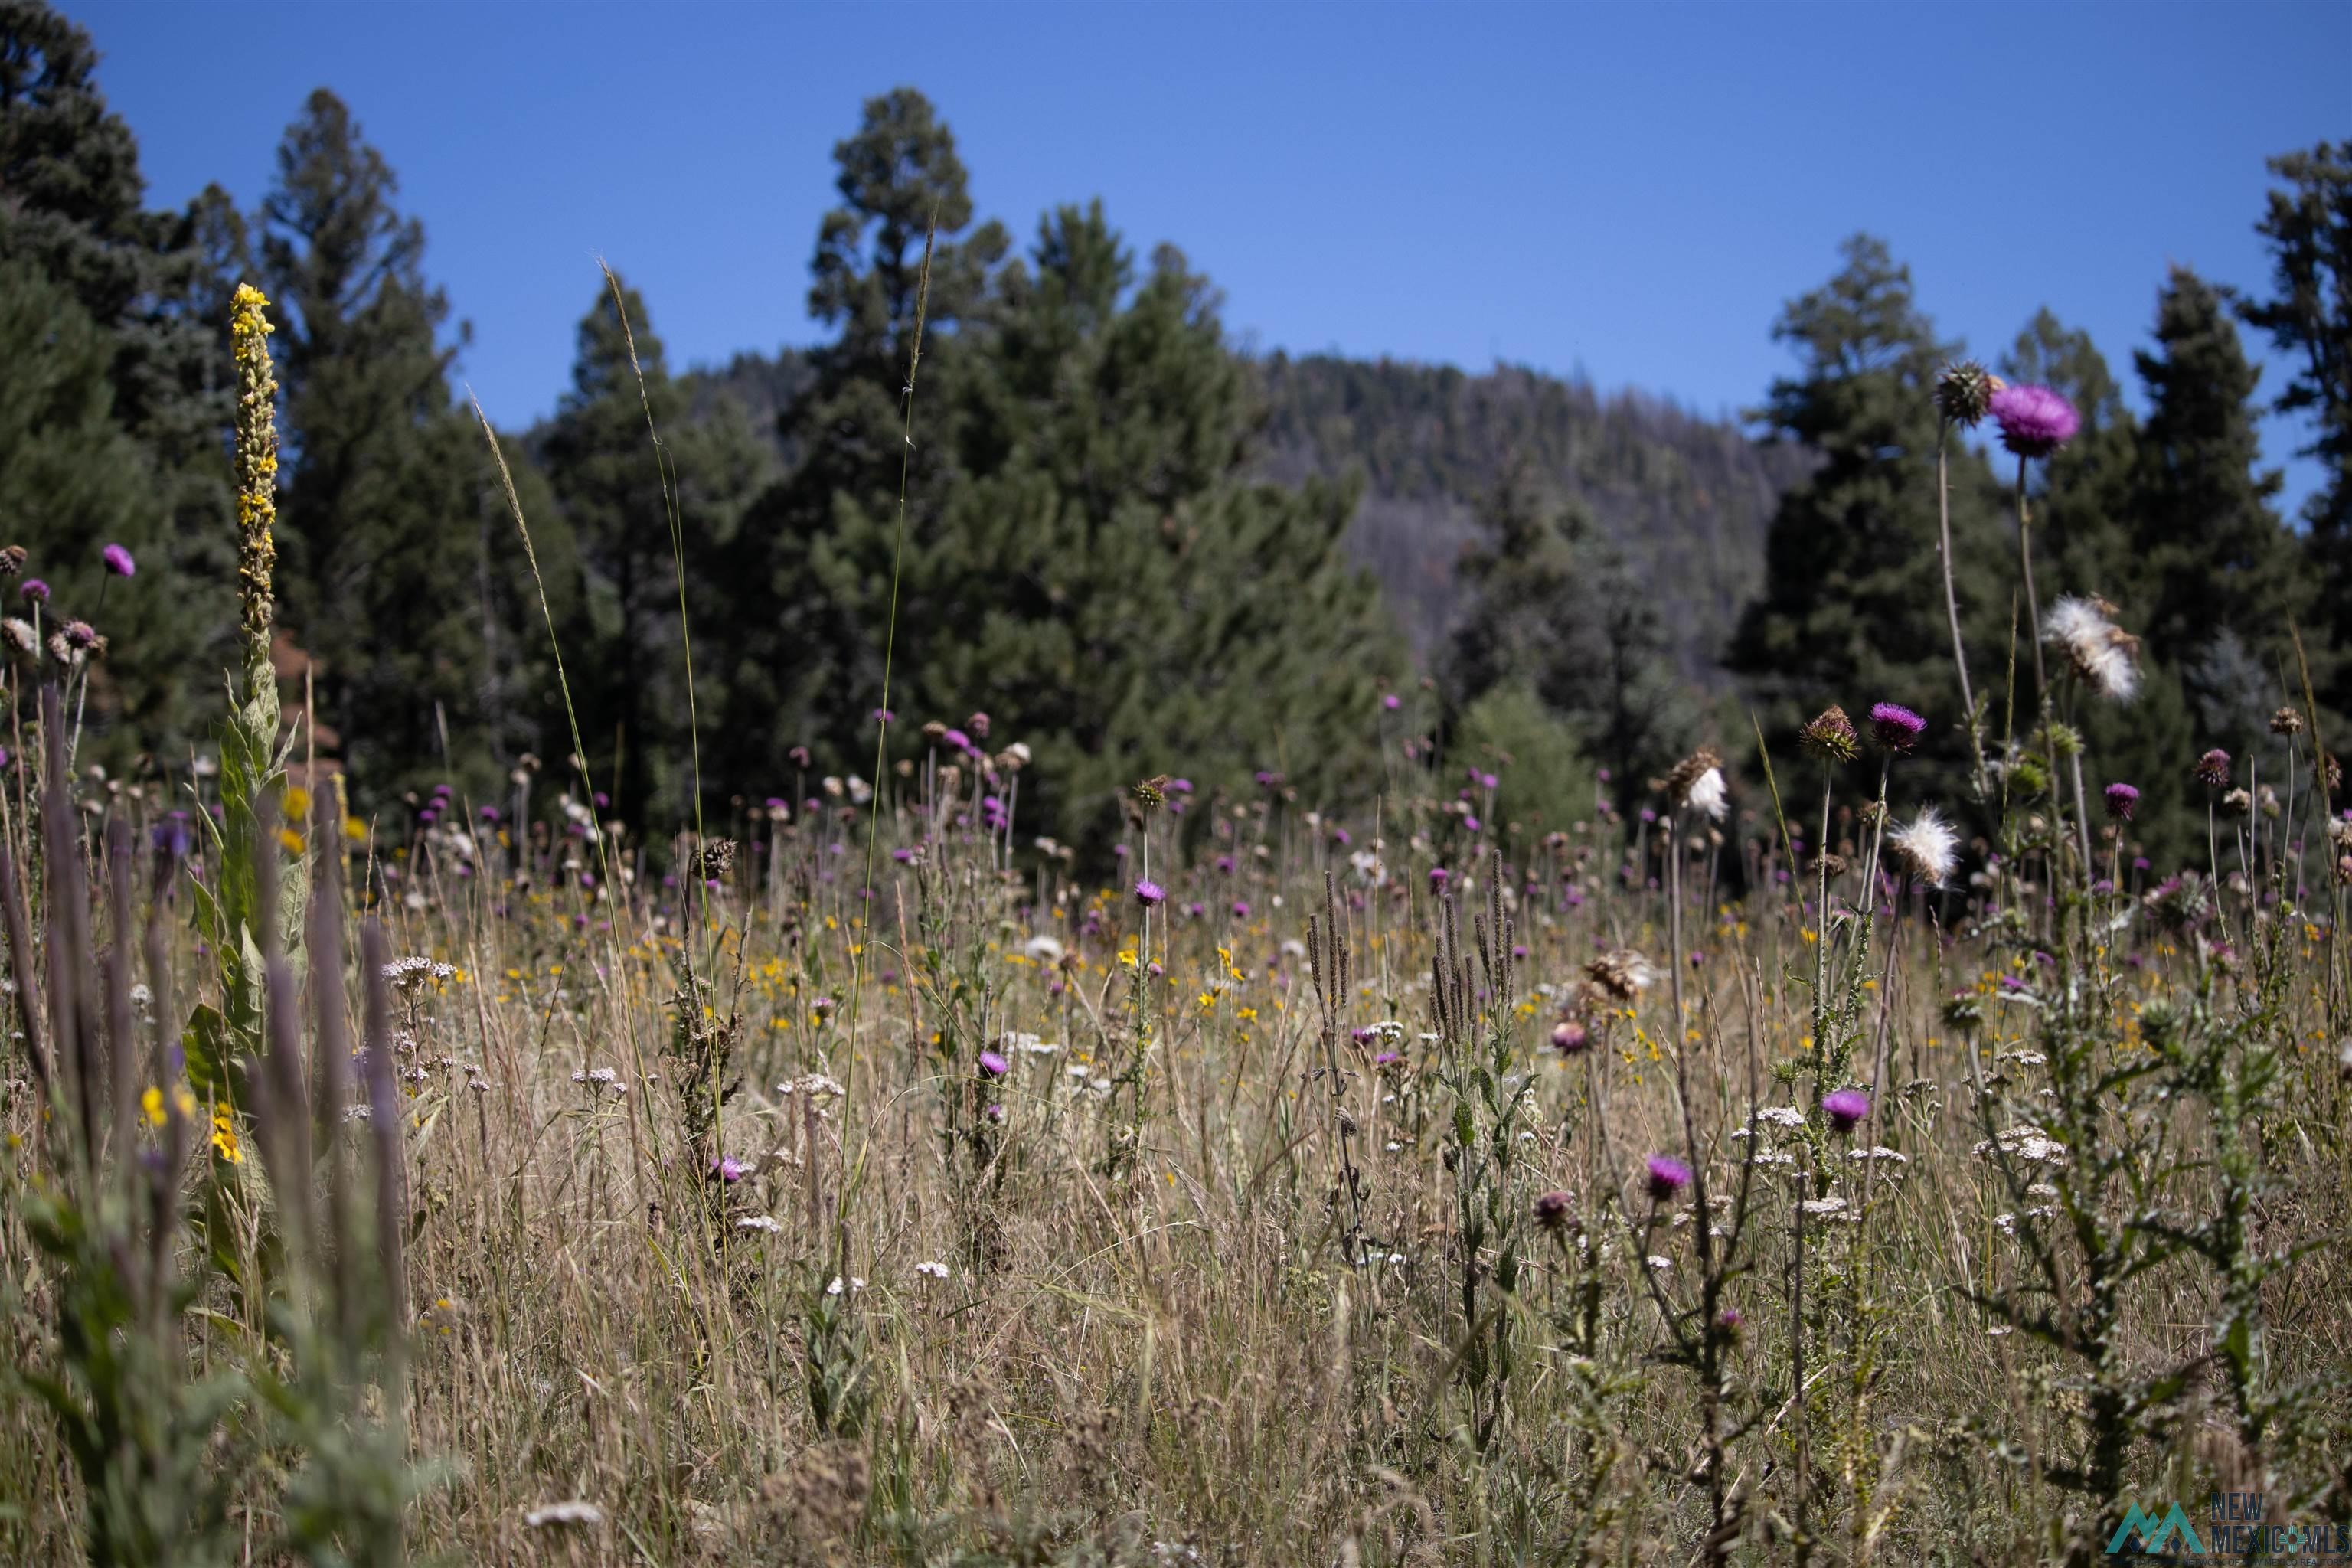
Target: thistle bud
[
  {"x": 1964, "y": 392},
  {"x": 1830, "y": 738}
]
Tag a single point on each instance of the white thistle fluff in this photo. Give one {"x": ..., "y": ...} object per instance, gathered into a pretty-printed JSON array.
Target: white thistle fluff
[
  {"x": 2103, "y": 653},
  {"x": 1927, "y": 847},
  {"x": 1708, "y": 795}
]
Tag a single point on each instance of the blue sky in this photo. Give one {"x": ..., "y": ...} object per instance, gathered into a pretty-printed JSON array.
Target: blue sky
[{"x": 1629, "y": 189}]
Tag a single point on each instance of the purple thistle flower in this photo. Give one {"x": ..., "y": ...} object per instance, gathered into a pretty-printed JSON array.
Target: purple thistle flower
[
  {"x": 490, "y": 814},
  {"x": 1439, "y": 876},
  {"x": 726, "y": 1168},
  {"x": 119, "y": 561},
  {"x": 1391, "y": 702},
  {"x": 34, "y": 590},
  {"x": 1731, "y": 1320},
  {"x": 1845, "y": 1108},
  {"x": 1388, "y": 1058},
  {"x": 884, "y": 716},
  {"x": 958, "y": 739},
  {"x": 2213, "y": 769},
  {"x": 1897, "y": 728},
  {"x": 1240, "y": 910},
  {"x": 1553, "y": 1209},
  {"x": 2123, "y": 799},
  {"x": 1668, "y": 1176},
  {"x": 1150, "y": 894},
  {"x": 2036, "y": 421},
  {"x": 1569, "y": 1038},
  {"x": 994, "y": 1065}
]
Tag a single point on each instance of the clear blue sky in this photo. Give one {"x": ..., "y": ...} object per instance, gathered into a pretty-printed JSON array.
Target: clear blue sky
[{"x": 1631, "y": 189}]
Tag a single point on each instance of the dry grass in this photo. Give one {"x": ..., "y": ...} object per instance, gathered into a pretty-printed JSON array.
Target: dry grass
[{"x": 1149, "y": 1342}]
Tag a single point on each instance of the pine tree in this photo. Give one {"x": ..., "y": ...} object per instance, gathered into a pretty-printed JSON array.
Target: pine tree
[
  {"x": 1853, "y": 604},
  {"x": 388, "y": 537},
  {"x": 806, "y": 621},
  {"x": 112, "y": 345},
  {"x": 1107, "y": 579},
  {"x": 2222, "y": 571},
  {"x": 2085, "y": 536},
  {"x": 1558, "y": 613},
  {"x": 629, "y": 676},
  {"x": 2309, "y": 226}
]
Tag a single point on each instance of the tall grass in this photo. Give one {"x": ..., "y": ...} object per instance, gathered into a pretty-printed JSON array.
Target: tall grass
[{"x": 1435, "y": 1196}]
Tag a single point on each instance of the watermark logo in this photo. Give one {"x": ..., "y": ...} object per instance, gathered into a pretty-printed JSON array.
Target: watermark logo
[
  {"x": 2142, "y": 1534},
  {"x": 2234, "y": 1527}
]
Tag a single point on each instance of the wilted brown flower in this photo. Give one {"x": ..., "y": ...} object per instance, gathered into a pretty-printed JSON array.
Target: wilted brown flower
[
  {"x": 1697, "y": 783},
  {"x": 1622, "y": 973},
  {"x": 715, "y": 860},
  {"x": 2286, "y": 721}
]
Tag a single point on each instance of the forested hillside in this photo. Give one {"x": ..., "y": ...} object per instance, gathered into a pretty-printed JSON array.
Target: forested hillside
[{"x": 1685, "y": 498}]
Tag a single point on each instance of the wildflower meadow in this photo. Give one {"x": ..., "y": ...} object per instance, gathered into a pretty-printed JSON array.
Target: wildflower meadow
[{"x": 1849, "y": 1138}]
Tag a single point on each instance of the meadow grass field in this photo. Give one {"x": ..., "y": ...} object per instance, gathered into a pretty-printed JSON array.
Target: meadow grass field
[{"x": 1783, "y": 1175}]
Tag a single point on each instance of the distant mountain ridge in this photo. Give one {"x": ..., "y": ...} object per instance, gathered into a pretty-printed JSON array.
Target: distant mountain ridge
[{"x": 1686, "y": 499}]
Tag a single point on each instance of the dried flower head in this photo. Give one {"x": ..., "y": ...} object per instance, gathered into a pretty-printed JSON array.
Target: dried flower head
[
  {"x": 12, "y": 560},
  {"x": 2286, "y": 721},
  {"x": 1964, "y": 392},
  {"x": 1622, "y": 973},
  {"x": 23, "y": 646},
  {"x": 2104, "y": 655},
  {"x": 1697, "y": 784},
  {"x": 2238, "y": 801},
  {"x": 1895, "y": 727},
  {"x": 2213, "y": 769},
  {"x": 2123, "y": 799},
  {"x": 715, "y": 859},
  {"x": 1830, "y": 738},
  {"x": 1926, "y": 847},
  {"x": 2036, "y": 421}
]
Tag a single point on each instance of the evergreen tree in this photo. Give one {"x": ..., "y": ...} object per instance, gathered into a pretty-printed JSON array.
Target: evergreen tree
[
  {"x": 2309, "y": 226},
  {"x": 2221, "y": 570},
  {"x": 2085, "y": 536},
  {"x": 1556, "y": 613},
  {"x": 1852, "y": 607},
  {"x": 805, "y": 662},
  {"x": 1111, "y": 580},
  {"x": 629, "y": 680},
  {"x": 111, "y": 356},
  {"x": 387, "y": 539}
]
